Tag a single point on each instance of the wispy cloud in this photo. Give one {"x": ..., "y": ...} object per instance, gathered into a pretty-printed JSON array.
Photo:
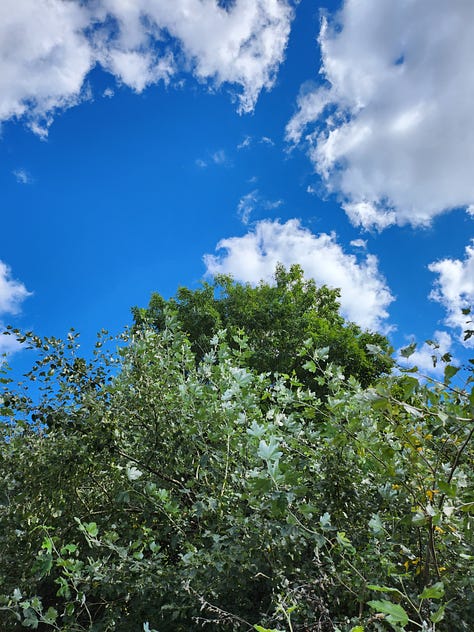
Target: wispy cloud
[
  {"x": 249, "y": 140},
  {"x": 392, "y": 131},
  {"x": 253, "y": 200},
  {"x": 22, "y": 176},
  {"x": 454, "y": 290},
  {"x": 365, "y": 295},
  {"x": 247, "y": 205},
  {"x": 48, "y": 47},
  {"x": 218, "y": 157}
]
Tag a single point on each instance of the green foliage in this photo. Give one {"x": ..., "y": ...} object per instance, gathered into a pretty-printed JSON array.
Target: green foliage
[
  {"x": 151, "y": 488},
  {"x": 278, "y": 320}
]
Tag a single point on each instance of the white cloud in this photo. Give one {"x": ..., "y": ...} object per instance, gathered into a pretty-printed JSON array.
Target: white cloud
[
  {"x": 247, "y": 141},
  {"x": 22, "y": 176},
  {"x": 12, "y": 294},
  {"x": 428, "y": 357},
  {"x": 359, "y": 243},
  {"x": 219, "y": 157},
  {"x": 8, "y": 344},
  {"x": 391, "y": 132},
  {"x": 249, "y": 202},
  {"x": 47, "y": 48},
  {"x": 247, "y": 205},
  {"x": 454, "y": 289},
  {"x": 270, "y": 205},
  {"x": 365, "y": 296},
  {"x": 369, "y": 215},
  {"x": 44, "y": 58}
]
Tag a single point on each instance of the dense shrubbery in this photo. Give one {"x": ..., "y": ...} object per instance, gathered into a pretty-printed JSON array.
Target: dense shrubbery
[{"x": 153, "y": 489}]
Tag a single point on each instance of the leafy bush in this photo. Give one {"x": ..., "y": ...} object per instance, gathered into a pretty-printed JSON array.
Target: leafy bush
[{"x": 148, "y": 489}]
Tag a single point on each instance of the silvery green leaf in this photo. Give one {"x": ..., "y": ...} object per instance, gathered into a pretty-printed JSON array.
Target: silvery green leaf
[{"x": 133, "y": 473}]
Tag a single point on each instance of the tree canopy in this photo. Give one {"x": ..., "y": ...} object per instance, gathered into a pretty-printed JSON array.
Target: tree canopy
[
  {"x": 154, "y": 487},
  {"x": 278, "y": 318}
]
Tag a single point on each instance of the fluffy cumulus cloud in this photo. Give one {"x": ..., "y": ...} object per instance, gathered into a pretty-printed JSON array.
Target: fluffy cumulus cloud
[
  {"x": 12, "y": 294},
  {"x": 47, "y": 48},
  {"x": 365, "y": 296},
  {"x": 454, "y": 289},
  {"x": 44, "y": 57},
  {"x": 391, "y": 130}
]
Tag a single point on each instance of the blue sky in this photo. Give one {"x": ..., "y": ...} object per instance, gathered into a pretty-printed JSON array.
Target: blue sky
[{"x": 146, "y": 144}]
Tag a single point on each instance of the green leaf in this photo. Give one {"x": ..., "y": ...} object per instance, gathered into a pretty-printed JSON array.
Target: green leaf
[
  {"x": 395, "y": 613},
  {"x": 310, "y": 366},
  {"x": 419, "y": 519},
  {"x": 433, "y": 592},
  {"x": 260, "y": 629},
  {"x": 344, "y": 541},
  {"x": 375, "y": 524},
  {"x": 438, "y": 615},
  {"x": 256, "y": 430},
  {"x": 43, "y": 564},
  {"x": 269, "y": 451},
  {"x": 411, "y": 410},
  {"x": 51, "y": 615},
  {"x": 30, "y": 620},
  {"x": 449, "y": 372},
  {"x": 412, "y": 369},
  {"x": 133, "y": 473},
  {"x": 91, "y": 528},
  {"x": 406, "y": 352},
  {"x": 383, "y": 589},
  {"x": 16, "y": 595},
  {"x": 325, "y": 520},
  {"x": 358, "y": 628}
]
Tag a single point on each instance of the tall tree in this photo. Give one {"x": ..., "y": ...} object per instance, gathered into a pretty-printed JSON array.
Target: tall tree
[{"x": 278, "y": 319}]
